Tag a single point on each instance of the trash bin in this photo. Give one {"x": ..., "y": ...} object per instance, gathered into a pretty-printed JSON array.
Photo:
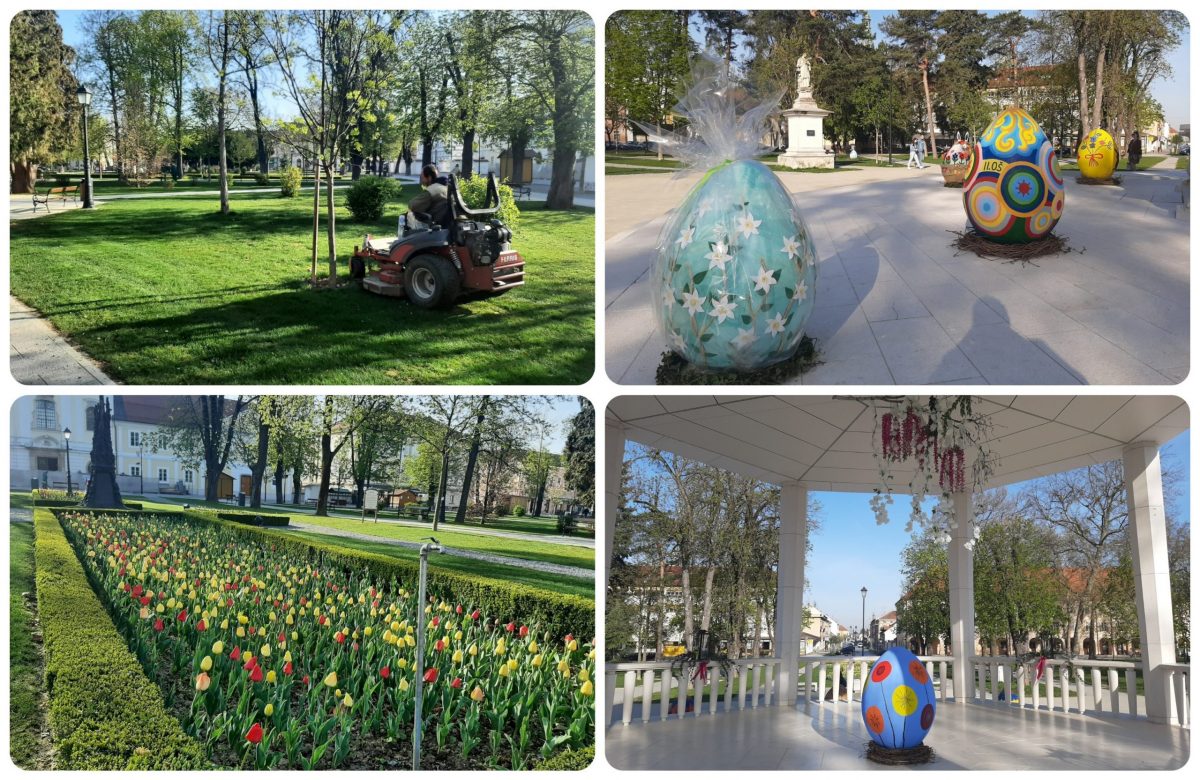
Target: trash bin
[
  {"x": 241, "y": 499},
  {"x": 35, "y": 484}
]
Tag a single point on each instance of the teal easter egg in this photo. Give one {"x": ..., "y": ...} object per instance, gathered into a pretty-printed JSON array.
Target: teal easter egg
[
  {"x": 898, "y": 702},
  {"x": 736, "y": 270},
  {"x": 1013, "y": 192}
]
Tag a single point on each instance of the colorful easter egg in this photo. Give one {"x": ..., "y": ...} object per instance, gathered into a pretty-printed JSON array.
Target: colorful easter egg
[
  {"x": 898, "y": 701},
  {"x": 1013, "y": 191},
  {"x": 1098, "y": 155},
  {"x": 736, "y": 270}
]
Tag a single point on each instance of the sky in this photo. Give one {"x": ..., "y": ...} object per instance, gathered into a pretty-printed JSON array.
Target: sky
[
  {"x": 1173, "y": 94},
  {"x": 851, "y": 551},
  {"x": 560, "y": 411}
]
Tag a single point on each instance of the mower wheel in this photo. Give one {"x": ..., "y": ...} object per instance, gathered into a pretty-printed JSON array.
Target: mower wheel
[{"x": 431, "y": 282}]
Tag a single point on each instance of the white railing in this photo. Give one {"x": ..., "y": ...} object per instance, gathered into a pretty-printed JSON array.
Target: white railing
[
  {"x": 1081, "y": 685},
  {"x": 1177, "y": 677},
  {"x": 832, "y": 678},
  {"x": 646, "y": 691}
]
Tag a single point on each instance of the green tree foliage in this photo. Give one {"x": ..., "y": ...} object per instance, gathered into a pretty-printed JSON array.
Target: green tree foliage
[
  {"x": 43, "y": 113},
  {"x": 646, "y": 64},
  {"x": 580, "y": 455},
  {"x": 923, "y": 612}
]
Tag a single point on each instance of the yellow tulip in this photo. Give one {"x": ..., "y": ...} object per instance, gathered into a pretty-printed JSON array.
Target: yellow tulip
[
  {"x": 402, "y": 663},
  {"x": 504, "y": 670},
  {"x": 457, "y": 636},
  {"x": 287, "y": 657},
  {"x": 160, "y": 608},
  {"x": 477, "y": 694},
  {"x": 331, "y": 680},
  {"x": 246, "y": 656},
  {"x": 563, "y": 666},
  {"x": 587, "y": 689},
  {"x": 368, "y": 631},
  {"x": 243, "y": 619},
  {"x": 265, "y": 651},
  {"x": 537, "y": 660},
  {"x": 225, "y": 624},
  {"x": 203, "y": 681},
  {"x": 271, "y": 676},
  {"x": 473, "y": 650},
  {"x": 512, "y": 664},
  {"x": 457, "y": 657},
  {"x": 573, "y": 645},
  {"x": 241, "y": 632},
  {"x": 218, "y": 647},
  {"x": 347, "y": 701},
  {"x": 533, "y": 646},
  {"x": 206, "y": 663},
  {"x": 269, "y": 710},
  {"x": 262, "y": 632},
  {"x": 408, "y": 640},
  {"x": 403, "y": 684},
  {"x": 295, "y": 636}
]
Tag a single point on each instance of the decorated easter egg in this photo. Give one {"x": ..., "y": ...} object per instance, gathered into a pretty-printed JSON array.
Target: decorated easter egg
[
  {"x": 1013, "y": 191},
  {"x": 1098, "y": 155},
  {"x": 898, "y": 700},
  {"x": 735, "y": 273}
]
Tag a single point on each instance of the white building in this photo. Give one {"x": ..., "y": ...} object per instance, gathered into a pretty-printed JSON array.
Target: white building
[{"x": 38, "y": 449}]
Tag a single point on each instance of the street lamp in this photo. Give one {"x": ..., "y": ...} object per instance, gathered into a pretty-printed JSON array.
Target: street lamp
[
  {"x": 67, "y": 439},
  {"x": 433, "y": 545},
  {"x": 864, "y": 618},
  {"x": 85, "y": 99}
]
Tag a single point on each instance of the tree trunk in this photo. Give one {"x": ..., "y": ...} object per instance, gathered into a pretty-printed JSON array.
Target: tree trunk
[
  {"x": 330, "y": 226},
  {"x": 326, "y": 471},
  {"x": 472, "y": 457},
  {"x": 223, "y": 167},
  {"x": 517, "y": 145},
  {"x": 685, "y": 581},
  {"x": 439, "y": 513},
  {"x": 259, "y": 467},
  {"x": 297, "y": 483},
  {"x": 467, "y": 169},
  {"x": 316, "y": 231},
  {"x": 562, "y": 179},
  {"x": 356, "y": 155},
  {"x": 212, "y": 479},
  {"x": 929, "y": 108},
  {"x": 1081, "y": 64},
  {"x": 24, "y": 176},
  {"x": 426, "y": 151},
  {"x": 279, "y": 482},
  {"x": 1098, "y": 100}
]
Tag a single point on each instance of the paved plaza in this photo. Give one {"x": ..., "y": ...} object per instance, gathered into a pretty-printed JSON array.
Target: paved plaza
[{"x": 896, "y": 305}]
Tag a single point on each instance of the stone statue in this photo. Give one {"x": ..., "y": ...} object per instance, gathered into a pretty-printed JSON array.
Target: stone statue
[
  {"x": 803, "y": 76},
  {"x": 102, "y": 489}
]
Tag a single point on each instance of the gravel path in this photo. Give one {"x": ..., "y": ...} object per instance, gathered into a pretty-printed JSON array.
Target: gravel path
[
  {"x": 18, "y": 514},
  {"x": 549, "y": 568}
]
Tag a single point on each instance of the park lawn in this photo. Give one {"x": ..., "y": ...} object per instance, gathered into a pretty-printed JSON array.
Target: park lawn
[
  {"x": 554, "y": 583},
  {"x": 167, "y": 291},
  {"x": 1182, "y": 163},
  {"x": 21, "y": 499},
  {"x": 547, "y": 552},
  {"x": 1122, "y": 166},
  {"x": 616, "y": 170},
  {"x": 25, "y": 667},
  {"x": 648, "y": 160}
]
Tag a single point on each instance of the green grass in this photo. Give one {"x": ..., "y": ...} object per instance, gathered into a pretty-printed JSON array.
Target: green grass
[
  {"x": 554, "y": 583},
  {"x": 649, "y": 161},
  {"x": 113, "y": 186},
  {"x": 547, "y": 552},
  {"x": 1182, "y": 163},
  {"x": 1122, "y": 166},
  {"x": 167, "y": 291},
  {"x": 20, "y": 499},
  {"x": 25, "y": 673}
]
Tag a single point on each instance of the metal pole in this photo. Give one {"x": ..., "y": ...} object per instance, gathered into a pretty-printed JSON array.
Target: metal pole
[
  {"x": 864, "y": 622},
  {"x": 70, "y": 490},
  {"x": 419, "y": 662},
  {"x": 87, "y": 165}
]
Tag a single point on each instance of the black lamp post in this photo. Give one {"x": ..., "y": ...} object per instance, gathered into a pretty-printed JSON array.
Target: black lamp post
[
  {"x": 864, "y": 618},
  {"x": 85, "y": 99},
  {"x": 67, "y": 439}
]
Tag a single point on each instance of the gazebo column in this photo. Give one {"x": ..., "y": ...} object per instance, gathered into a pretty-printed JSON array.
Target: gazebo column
[
  {"x": 1152, "y": 581},
  {"x": 614, "y": 458},
  {"x": 789, "y": 596},
  {"x": 962, "y": 595}
]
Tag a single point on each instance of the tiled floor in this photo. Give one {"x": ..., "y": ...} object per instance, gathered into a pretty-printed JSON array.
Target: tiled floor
[
  {"x": 896, "y": 305},
  {"x": 832, "y": 736}
]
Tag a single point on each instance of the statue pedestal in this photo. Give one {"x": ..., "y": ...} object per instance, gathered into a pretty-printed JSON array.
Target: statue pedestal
[{"x": 806, "y": 136}]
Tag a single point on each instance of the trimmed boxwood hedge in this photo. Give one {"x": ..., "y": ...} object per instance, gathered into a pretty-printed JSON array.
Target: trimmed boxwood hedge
[
  {"x": 104, "y": 712},
  {"x": 250, "y": 518},
  {"x": 559, "y": 614},
  {"x": 569, "y": 760},
  {"x": 55, "y": 502}
]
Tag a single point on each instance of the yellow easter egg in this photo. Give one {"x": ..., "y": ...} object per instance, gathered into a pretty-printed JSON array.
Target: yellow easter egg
[{"x": 1098, "y": 155}]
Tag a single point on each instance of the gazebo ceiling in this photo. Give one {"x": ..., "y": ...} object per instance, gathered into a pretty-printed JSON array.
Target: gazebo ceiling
[{"x": 828, "y": 443}]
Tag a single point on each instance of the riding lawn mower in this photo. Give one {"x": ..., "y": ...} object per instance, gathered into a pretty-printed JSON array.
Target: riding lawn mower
[{"x": 454, "y": 251}]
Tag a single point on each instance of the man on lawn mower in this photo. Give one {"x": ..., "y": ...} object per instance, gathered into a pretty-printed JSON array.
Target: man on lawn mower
[{"x": 426, "y": 205}]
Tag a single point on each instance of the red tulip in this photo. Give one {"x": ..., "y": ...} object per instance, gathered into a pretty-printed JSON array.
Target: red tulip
[
  {"x": 287, "y": 670},
  {"x": 510, "y": 627},
  {"x": 256, "y": 674},
  {"x": 456, "y": 682},
  {"x": 145, "y": 601},
  {"x": 431, "y": 675},
  {"x": 475, "y": 615},
  {"x": 182, "y": 616},
  {"x": 158, "y": 625},
  {"x": 255, "y": 734},
  {"x": 252, "y": 663},
  {"x": 138, "y": 590},
  {"x": 385, "y": 672},
  {"x": 436, "y": 620},
  {"x": 439, "y": 646},
  {"x": 202, "y": 626},
  {"x": 458, "y": 610},
  {"x": 340, "y": 638},
  {"x": 524, "y": 632},
  {"x": 236, "y": 654},
  {"x": 305, "y": 680},
  {"x": 568, "y": 638}
]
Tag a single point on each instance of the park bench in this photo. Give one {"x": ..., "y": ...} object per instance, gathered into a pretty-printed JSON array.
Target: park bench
[
  {"x": 522, "y": 191},
  {"x": 43, "y": 198},
  {"x": 171, "y": 490}
]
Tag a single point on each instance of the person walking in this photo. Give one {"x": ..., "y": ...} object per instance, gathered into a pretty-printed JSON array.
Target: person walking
[
  {"x": 921, "y": 149},
  {"x": 1134, "y": 151},
  {"x": 912, "y": 153}
]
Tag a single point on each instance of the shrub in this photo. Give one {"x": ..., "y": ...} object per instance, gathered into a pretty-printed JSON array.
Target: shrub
[
  {"x": 518, "y": 511},
  {"x": 368, "y": 196},
  {"x": 252, "y": 518},
  {"x": 135, "y": 505},
  {"x": 474, "y": 194},
  {"x": 104, "y": 713},
  {"x": 262, "y": 179},
  {"x": 289, "y": 182},
  {"x": 566, "y": 523},
  {"x": 168, "y": 183},
  {"x": 569, "y": 760},
  {"x": 229, "y": 179}
]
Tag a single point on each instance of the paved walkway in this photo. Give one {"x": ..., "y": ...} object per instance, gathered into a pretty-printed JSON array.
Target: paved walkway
[
  {"x": 39, "y": 355},
  {"x": 895, "y": 305},
  {"x": 522, "y": 563}
]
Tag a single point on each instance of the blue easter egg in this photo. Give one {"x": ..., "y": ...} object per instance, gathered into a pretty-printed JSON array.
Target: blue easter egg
[
  {"x": 736, "y": 271},
  {"x": 1013, "y": 192},
  {"x": 898, "y": 702}
]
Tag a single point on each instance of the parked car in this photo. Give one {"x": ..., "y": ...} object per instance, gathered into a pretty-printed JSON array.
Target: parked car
[
  {"x": 1186, "y": 149},
  {"x": 848, "y": 650}
]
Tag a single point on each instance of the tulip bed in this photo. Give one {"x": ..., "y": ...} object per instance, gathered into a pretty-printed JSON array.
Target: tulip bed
[{"x": 271, "y": 658}]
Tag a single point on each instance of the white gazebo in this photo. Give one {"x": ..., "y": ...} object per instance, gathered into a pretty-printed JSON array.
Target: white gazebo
[{"x": 815, "y": 443}]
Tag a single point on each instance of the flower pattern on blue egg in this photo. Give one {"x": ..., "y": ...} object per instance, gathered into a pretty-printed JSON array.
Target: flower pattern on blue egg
[
  {"x": 898, "y": 702},
  {"x": 735, "y": 271}
]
